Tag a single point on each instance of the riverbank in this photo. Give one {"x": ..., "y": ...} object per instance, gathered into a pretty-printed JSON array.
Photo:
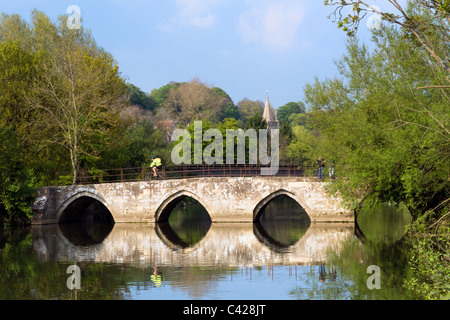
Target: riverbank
[{"x": 429, "y": 238}]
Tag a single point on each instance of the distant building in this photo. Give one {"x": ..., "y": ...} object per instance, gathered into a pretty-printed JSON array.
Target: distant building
[{"x": 270, "y": 116}]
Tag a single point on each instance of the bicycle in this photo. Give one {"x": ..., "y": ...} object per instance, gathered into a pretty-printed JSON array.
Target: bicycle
[{"x": 150, "y": 176}]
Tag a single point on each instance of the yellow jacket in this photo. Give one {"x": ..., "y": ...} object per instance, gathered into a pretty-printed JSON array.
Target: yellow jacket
[{"x": 156, "y": 163}]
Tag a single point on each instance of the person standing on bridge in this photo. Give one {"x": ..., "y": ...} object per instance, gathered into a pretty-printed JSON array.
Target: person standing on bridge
[
  {"x": 321, "y": 164},
  {"x": 156, "y": 165}
]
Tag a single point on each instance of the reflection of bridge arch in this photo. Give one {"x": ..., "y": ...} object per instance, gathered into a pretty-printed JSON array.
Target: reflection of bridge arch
[
  {"x": 273, "y": 244},
  {"x": 266, "y": 200},
  {"x": 168, "y": 204},
  {"x": 171, "y": 239},
  {"x": 76, "y": 205},
  {"x": 54, "y": 243},
  {"x": 85, "y": 234}
]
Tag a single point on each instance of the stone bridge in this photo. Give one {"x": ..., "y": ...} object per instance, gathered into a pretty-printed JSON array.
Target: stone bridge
[{"x": 227, "y": 199}]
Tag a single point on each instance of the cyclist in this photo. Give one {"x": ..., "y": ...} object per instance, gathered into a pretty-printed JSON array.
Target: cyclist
[{"x": 156, "y": 165}]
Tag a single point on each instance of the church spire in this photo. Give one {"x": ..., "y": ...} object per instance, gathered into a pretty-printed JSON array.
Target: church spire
[{"x": 269, "y": 114}]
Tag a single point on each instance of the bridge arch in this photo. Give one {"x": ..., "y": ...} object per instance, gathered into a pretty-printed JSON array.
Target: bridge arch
[
  {"x": 266, "y": 200},
  {"x": 168, "y": 204},
  {"x": 73, "y": 208}
]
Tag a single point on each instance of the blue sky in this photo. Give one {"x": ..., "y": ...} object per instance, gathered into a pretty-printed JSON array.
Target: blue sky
[{"x": 244, "y": 47}]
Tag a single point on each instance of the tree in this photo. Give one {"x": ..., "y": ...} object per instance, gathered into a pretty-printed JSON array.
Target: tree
[
  {"x": 138, "y": 97},
  {"x": 302, "y": 147},
  {"x": 284, "y": 112},
  {"x": 17, "y": 183},
  {"x": 223, "y": 127},
  {"x": 256, "y": 122},
  {"x": 17, "y": 67},
  {"x": 300, "y": 119},
  {"x": 14, "y": 29},
  {"x": 77, "y": 96},
  {"x": 221, "y": 93},
  {"x": 231, "y": 111},
  {"x": 23, "y": 46},
  {"x": 248, "y": 108},
  {"x": 158, "y": 97},
  {"x": 193, "y": 101},
  {"x": 387, "y": 138},
  {"x": 144, "y": 141},
  {"x": 420, "y": 19}
]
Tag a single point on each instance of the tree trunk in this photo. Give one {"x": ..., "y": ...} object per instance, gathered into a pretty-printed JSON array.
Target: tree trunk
[{"x": 74, "y": 160}]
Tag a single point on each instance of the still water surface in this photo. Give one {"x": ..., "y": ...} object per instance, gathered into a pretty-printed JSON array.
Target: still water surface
[{"x": 283, "y": 257}]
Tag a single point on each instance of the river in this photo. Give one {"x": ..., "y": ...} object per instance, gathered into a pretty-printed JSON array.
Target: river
[{"x": 282, "y": 257}]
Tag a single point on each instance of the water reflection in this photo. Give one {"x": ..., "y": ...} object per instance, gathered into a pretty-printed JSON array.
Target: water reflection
[
  {"x": 86, "y": 233},
  {"x": 268, "y": 260},
  {"x": 283, "y": 235},
  {"x": 384, "y": 223},
  {"x": 280, "y": 237},
  {"x": 187, "y": 225},
  {"x": 189, "y": 238},
  {"x": 283, "y": 222},
  {"x": 224, "y": 244}
]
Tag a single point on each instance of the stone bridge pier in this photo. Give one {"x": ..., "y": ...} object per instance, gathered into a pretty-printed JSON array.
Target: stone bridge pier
[{"x": 227, "y": 199}]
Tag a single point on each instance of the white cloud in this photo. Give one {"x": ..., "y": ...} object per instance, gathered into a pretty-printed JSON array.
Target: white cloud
[
  {"x": 275, "y": 24},
  {"x": 197, "y": 13}
]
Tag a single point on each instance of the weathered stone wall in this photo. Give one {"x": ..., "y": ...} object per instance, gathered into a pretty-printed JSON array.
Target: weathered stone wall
[{"x": 226, "y": 199}]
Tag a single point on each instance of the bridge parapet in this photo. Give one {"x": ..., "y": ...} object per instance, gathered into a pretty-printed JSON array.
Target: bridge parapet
[{"x": 227, "y": 199}]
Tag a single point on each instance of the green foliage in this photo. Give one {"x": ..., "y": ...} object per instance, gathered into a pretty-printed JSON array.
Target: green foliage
[
  {"x": 17, "y": 184},
  {"x": 134, "y": 148},
  {"x": 256, "y": 122},
  {"x": 285, "y": 112},
  {"x": 221, "y": 93},
  {"x": 228, "y": 124},
  {"x": 384, "y": 123},
  {"x": 145, "y": 141},
  {"x": 300, "y": 119},
  {"x": 248, "y": 108},
  {"x": 17, "y": 66},
  {"x": 158, "y": 97},
  {"x": 17, "y": 198},
  {"x": 429, "y": 238},
  {"x": 231, "y": 111},
  {"x": 62, "y": 93},
  {"x": 418, "y": 19},
  {"x": 62, "y": 180},
  {"x": 61, "y": 98},
  {"x": 223, "y": 127},
  {"x": 138, "y": 97},
  {"x": 286, "y": 131},
  {"x": 302, "y": 148},
  {"x": 386, "y": 136}
]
